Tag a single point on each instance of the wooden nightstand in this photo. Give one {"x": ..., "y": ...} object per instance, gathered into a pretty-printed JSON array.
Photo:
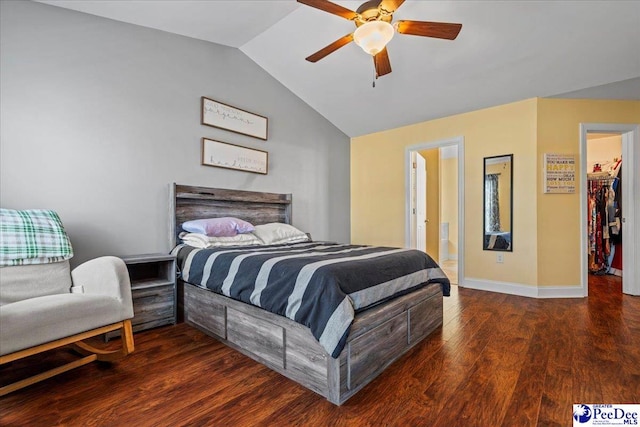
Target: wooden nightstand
[{"x": 153, "y": 289}]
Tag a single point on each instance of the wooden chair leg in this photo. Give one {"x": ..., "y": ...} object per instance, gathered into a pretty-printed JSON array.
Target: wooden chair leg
[{"x": 127, "y": 338}]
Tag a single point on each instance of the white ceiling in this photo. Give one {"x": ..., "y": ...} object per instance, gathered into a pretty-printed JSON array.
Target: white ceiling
[{"x": 506, "y": 51}]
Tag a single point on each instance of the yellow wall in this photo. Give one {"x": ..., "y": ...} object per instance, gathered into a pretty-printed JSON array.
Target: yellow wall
[
  {"x": 558, "y": 215},
  {"x": 546, "y": 227},
  {"x": 449, "y": 201},
  {"x": 378, "y": 199},
  {"x": 432, "y": 158}
]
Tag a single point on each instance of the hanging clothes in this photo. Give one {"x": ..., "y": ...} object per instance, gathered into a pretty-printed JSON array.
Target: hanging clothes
[
  {"x": 604, "y": 220},
  {"x": 599, "y": 195}
]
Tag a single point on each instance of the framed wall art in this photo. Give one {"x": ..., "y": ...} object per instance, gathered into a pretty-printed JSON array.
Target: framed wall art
[
  {"x": 230, "y": 156},
  {"x": 223, "y": 116},
  {"x": 559, "y": 173}
]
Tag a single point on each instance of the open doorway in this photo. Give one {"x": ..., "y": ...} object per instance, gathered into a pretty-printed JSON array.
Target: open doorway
[
  {"x": 604, "y": 211},
  {"x": 609, "y": 209},
  {"x": 434, "y": 201}
]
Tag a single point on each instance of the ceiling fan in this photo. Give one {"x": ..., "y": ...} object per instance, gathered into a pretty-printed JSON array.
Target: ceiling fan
[{"x": 374, "y": 29}]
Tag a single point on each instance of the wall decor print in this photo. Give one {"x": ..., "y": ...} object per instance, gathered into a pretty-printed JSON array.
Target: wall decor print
[
  {"x": 223, "y": 116},
  {"x": 223, "y": 155},
  {"x": 559, "y": 173}
]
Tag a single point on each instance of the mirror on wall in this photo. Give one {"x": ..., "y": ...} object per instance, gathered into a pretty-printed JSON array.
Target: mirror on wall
[{"x": 498, "y": 203}]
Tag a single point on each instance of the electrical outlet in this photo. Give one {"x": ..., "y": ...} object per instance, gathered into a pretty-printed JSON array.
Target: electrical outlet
[{"x": 500, "y": 258}]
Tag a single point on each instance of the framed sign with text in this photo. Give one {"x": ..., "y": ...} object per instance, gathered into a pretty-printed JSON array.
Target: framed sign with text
[
  {"x": 223, "y": 116},
  {"x": 559, "y": 173},
  {"x": 223, "y": 155}
]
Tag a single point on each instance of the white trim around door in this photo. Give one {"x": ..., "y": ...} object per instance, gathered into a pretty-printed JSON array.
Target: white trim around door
[{"x": 457, "y": 142}]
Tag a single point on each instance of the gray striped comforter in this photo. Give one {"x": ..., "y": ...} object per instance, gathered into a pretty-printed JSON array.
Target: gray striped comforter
[{"x": 320, "y": 285}]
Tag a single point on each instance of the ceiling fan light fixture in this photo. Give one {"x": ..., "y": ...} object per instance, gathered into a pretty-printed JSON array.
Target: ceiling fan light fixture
[{"x": 373, "y": 36}]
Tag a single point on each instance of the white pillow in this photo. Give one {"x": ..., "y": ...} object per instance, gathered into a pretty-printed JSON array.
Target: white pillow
[
  {"x": 277, "y": 233},
  {"x": 202, "y": 241}
]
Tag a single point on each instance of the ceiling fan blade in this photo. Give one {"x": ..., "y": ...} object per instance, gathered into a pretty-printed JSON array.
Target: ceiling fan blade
[
  {"x": 390, "y": 5},
  {"x": 382, "y": 63},
  {"x": 440, "y": 30},
  {"x": 331, "y": 48},
  {"x": 329, "y": 7}
]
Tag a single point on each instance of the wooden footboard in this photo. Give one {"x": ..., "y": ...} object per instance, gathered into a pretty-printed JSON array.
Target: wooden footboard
[{"x": 378, "y": 337}]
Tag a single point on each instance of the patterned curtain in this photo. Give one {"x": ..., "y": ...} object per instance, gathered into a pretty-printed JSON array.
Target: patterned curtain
[{"x": 491, "y": 203}]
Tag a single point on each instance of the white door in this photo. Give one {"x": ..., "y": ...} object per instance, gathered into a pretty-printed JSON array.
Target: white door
[
  {"x": 630, "y": 239},
  {"x": 421, "y": 202}
]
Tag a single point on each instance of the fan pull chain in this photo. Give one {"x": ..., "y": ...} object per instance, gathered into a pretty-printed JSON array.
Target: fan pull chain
[{"x": 373, "y": 83}]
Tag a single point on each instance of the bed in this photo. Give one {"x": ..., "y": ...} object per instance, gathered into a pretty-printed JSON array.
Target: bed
[
  {"x": 497, "y": 240},
  {"x": 377, "y": 335}
]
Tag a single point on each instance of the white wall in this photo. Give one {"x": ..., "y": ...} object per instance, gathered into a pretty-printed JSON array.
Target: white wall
[
  {"x": 602, "y": 149},
  {"x": 98, "y": 117}
]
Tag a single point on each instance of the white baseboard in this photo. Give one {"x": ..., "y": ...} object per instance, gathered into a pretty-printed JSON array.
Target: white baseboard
[
  {"x": 524, "y": 290},
  {"x": 449, "y": 258}
]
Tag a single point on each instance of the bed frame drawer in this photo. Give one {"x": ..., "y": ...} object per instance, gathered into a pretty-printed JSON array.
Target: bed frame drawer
[
  {"x": 421, "y": 319},
  {"x": 264, "y": 339},
  {"x": 373, "y": 351},
  {"x": 202, "y": 310}
]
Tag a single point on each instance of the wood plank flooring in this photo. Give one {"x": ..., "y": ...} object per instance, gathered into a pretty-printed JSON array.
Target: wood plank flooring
[
  {"x": 450, "y": 268},
  {"x": 499, "y": 360}
]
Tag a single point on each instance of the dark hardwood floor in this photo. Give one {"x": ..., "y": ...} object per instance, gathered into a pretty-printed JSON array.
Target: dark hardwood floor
[{"x": 499, "y": 360}]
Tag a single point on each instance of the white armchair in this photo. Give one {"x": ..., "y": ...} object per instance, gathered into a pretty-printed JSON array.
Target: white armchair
[{"x": 46, "y": 306}]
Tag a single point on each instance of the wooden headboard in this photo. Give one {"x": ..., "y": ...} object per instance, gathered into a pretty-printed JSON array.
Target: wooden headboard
[{"x": 188, "y": 202}]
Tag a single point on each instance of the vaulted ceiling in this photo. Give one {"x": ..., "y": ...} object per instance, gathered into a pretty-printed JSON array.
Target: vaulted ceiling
[{"x": 506, "y": 51}]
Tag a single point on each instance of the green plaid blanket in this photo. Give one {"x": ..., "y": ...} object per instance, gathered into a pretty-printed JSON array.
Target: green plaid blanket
[{"x": 34, "y": 236}]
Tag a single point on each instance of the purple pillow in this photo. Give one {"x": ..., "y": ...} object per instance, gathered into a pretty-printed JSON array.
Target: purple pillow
[{"x": 218, "y": 227}]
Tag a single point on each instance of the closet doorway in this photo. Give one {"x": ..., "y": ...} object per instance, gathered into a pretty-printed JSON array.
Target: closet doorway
[
  {"x": 604, "y": 209},
  {"x": 442, "y": 230},
  {"x": 608, "y": 207}
]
